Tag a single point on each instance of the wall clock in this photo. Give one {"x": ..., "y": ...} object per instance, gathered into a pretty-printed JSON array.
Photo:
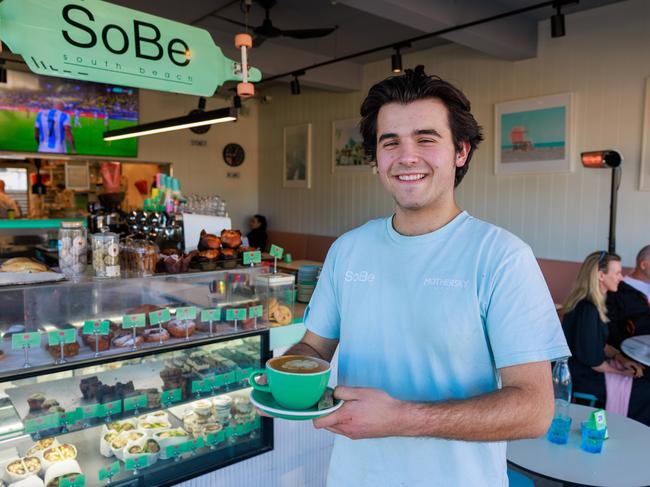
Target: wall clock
[{"x": 233, "y": 155}]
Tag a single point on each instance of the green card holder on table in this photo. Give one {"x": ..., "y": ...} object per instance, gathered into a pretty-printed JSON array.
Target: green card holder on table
[
  {"x": 78, "y": 480},
  {"x": 109, "y": 472},
  {"x": 25, "y": 342},
  {"x": 134, "y": 321},
  {"x": 96, "y": 328},
  {"x": 276, "y": 252},
  {"x": 236, "y": 315},
  {"x": 211, "y": 315},
  {"x": 61, "y": 338}
]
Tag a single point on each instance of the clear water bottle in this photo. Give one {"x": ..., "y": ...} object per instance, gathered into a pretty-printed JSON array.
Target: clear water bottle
[
  {"x": 562, "y": 387},
  {"x": 559, "y": 430}
]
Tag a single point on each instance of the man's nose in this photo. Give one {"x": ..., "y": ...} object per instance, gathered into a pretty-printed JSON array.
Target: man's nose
[{"x": 408, "y": 154}]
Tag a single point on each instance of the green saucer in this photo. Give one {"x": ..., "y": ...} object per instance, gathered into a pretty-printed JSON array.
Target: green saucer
[{"x": 264, "y": 401}]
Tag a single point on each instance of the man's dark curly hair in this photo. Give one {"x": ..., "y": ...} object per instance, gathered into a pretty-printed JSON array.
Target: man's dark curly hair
[{"x": 416, "y": 85}]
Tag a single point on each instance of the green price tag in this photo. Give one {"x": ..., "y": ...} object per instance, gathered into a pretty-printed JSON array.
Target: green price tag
[
  {"x": 25, "y": 340},
  {"x": 256, "y": 311},
  {"x": 135, "y": 402},
  {"x": 186, "y": 313},
  {"x": 236, "y": 314},
  {"x": 229, "y": 432},
  {"x": 96, "y": 327},
  {"x": 243, "y": 374},
  {"x": 211, "y": 314},
  {"x": 79, "y": 480},
  {"x": 198, "y": 443},
  {"x": 219, "y": 380},
  {"x": 173, "y": 395},
  {"x": 276, "y": 251},
  {"x": 199, "y": 386},
  {"x": 173, "y": 451},
  {"x": 254, "y": 257},
  {"x": 136, "y": 462},
  {"x": 186, "y": 447},
  {"x": 61, "y": 336},
  {"x": 113, "y": 407},
  {"x": 216, "y": 438},
  {"x": 89, "y": 412},
  {"x": 70, "y": 417},
  {"x": 240, "y": 429},
  {"x": 110, "y": 471},
  {"x": 159, "y": 316},
  {"x": 229, "y": 377},
  {"x": 134, "y": 321},
  {"x": 41, "y": 423}
]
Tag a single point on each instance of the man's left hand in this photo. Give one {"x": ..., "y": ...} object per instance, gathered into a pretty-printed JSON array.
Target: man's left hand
[{"x": 367, "y": 413}]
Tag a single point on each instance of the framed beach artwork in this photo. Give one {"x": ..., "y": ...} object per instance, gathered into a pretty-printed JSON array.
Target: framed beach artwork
[
  {"x": 533, "y": 135},
  {"x": 297, "y": 156},
  {"x": 644, "y": 179},
  {"x": 347, "y": 147}
]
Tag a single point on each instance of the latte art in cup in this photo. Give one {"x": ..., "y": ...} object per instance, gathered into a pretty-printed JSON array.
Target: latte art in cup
[{"x": 298, "y": 364}]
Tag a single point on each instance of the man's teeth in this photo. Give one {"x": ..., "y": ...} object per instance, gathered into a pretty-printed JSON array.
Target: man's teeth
[{"x": 410, "y": 177}]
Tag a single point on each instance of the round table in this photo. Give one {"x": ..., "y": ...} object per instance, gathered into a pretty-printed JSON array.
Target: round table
[
  {"x": 637, "y": 348},
  {"x": 623, "y": 461}
]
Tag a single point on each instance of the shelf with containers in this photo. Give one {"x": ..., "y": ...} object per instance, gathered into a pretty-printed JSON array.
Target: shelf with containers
[{"x": 169, "y": 411}]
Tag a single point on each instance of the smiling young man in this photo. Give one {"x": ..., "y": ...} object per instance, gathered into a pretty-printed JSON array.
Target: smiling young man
[{"x": 444, "y": 353}]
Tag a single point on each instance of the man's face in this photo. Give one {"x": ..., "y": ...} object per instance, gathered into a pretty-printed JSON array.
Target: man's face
[
  {"x": 416, "y": 158},
  {"x": 644, "y": 268}
]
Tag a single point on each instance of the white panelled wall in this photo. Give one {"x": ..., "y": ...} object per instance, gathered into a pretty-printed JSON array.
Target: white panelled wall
[
  {"x": 603, "y": 60},
  {"x": 201, "y": 169}
]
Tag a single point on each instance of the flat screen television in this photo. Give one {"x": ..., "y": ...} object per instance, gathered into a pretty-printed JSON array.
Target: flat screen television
[{"x": 62, "y": 116}]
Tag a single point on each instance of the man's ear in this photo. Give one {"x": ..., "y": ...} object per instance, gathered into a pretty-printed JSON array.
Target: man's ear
[{"x": 461, "y": 155}]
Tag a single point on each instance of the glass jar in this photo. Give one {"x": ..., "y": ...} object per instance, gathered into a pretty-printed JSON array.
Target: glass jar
[
  {"x": 106, "y": 254},
  {"x": 276, "y": 291},
  {"x": 138, "y": 258},
  {"x": 73, "y": 248}
]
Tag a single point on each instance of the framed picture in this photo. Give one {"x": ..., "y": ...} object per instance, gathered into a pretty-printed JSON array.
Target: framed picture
[
  {"x": 347, "y": 147},
  {"x": 297, "y": 156},
  {"x": 533, "y": 135},
  {"x": 644, "y": 179}
]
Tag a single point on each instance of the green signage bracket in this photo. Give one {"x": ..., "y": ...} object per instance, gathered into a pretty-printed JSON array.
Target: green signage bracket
[{"x": 94, "y": 40}]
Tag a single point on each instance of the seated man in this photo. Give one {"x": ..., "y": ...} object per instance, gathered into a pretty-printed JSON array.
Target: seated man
[{"x": 628, "y": 308}]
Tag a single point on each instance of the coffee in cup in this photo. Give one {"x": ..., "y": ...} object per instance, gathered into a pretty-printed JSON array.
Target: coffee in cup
[{"x": 295, "y": 381}]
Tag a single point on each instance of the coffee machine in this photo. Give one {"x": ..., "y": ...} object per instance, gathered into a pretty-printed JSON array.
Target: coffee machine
[{"x": 106, "y": 214}]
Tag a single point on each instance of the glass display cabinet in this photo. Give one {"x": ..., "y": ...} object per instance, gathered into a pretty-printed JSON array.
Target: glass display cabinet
[{"x": 138, "y": 382}]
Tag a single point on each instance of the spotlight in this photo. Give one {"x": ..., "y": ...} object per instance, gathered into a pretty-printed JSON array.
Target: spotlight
[
  {"x": 557, "y": 22},
  {"x": 295, "y": 86},
  {"x": 236, "y": 101},
  {"x": 396, "y": 61}
]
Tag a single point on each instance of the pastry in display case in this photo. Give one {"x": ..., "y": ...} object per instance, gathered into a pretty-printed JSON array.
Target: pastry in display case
[{"x": 147, "y": 395}]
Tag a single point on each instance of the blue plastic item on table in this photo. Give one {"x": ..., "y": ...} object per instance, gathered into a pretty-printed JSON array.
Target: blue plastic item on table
[
  {"x": 592, "y": 437},
  {"x": 559, "y": 430}
]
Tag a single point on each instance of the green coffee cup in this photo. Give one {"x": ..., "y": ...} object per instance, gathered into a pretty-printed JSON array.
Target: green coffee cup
[{"x": 295, "y": 381}]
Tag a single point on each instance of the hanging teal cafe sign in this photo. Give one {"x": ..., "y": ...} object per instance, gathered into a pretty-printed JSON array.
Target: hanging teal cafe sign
[{"x": 93, "y": 40}]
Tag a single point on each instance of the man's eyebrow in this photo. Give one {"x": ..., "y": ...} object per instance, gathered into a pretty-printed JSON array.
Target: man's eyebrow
[
  {"x": 433, "y": 132},
  {"x": 391, "y": 135},
  {"x": 388, "y": 135}
]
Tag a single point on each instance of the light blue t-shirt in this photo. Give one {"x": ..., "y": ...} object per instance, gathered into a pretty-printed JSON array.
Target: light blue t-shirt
[{"x": 430, "y": 318}]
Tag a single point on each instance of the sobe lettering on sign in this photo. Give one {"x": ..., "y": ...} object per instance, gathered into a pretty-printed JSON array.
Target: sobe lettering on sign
[
  {"x": 361, "y": 276},
  {"x": 146, "y": 37},
  {"x": 95, "y": 40}
]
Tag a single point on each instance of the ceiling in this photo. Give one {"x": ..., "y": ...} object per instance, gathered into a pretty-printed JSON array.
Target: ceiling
[{"x": 363, "y": 24}]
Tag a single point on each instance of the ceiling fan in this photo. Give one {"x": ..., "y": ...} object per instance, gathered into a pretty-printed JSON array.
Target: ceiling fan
[{"x": 267, "y": 30}]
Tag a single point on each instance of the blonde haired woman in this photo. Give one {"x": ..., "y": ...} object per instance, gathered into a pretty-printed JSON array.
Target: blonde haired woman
[{"x": 585, "y": 326}]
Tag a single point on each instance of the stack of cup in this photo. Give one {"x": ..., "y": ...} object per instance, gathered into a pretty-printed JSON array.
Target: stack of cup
[
  {"x": 307, "y": 279},
  {"x": 222, "y": 405}
]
